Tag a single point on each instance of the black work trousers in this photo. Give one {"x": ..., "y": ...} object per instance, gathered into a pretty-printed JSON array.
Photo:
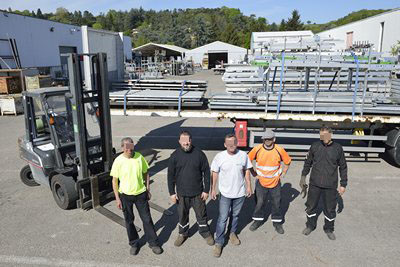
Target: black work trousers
[
  {"x": 262, "y": 200},
  {"x": 199, "y": 207},
  {"x": 142, "y": 205},
  {"x": 329, "y": 197}
]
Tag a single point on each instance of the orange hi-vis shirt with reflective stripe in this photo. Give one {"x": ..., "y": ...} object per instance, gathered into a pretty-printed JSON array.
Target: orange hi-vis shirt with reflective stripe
[{"x": 268, "y": 165}]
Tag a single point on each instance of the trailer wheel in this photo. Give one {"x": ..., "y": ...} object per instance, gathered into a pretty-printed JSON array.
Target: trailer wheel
[
  {"x": 393, "y": 146},
  {"x": 64, "y": 192},
  {"x": 27, "y": 177},
  {"x": 394, "y": 154}
]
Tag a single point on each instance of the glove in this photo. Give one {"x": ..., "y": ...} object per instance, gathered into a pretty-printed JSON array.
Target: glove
[{"x": 303, "y": 186}]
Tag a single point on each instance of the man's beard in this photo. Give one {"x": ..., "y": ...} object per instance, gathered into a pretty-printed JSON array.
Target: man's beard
[{"x": 186, "y": 149}]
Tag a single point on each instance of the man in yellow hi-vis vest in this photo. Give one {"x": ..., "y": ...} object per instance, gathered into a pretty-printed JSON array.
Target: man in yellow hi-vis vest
[{"x": 269, "y": 171}]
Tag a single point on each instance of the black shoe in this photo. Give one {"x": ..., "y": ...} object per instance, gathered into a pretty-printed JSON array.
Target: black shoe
[
  {"x": 279, "y": 229},
  {"x": 307, "y": 231},
  {"x": 134, "y": 250},
  {"x": 331, "y": 235},
  {"x": 255, "y": 225},
  {"x": 179, "y": 240},
  {"x": 157, "y": 250}
]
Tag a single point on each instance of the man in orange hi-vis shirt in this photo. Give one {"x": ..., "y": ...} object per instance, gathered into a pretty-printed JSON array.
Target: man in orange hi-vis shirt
[{"x": 269, "y": 172}]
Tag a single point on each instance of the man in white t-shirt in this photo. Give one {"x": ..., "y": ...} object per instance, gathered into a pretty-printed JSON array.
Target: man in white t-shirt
[{"x": 231, "y": 168}]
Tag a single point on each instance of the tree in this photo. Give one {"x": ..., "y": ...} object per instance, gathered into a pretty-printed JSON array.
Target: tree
[
  {"x": 273, "y": 27},
  {"x": 395, "y": 49},
  {"x": 230, "y": 35},
  {"x": 62, "y": 15},
  {"x": 141, "y": 40},
  {"x": 39, "y": 14},
  {"x": 202, "y": 32},
  {"x": 282, "y": 26},
  {"x": 294, "y": 23},
  {"x": 97, "y": 26}
]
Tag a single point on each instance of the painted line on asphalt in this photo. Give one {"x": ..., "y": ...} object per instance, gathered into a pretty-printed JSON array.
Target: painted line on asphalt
[{"x": 12, "y": 259}]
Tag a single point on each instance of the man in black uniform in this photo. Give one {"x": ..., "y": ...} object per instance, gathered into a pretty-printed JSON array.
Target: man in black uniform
[
  {"x": 324, "y": 158},
  {"x": 189, "y": 172}
]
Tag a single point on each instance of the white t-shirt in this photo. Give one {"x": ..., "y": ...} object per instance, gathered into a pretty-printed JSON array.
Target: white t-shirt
[{"x": 231, "y": 169}]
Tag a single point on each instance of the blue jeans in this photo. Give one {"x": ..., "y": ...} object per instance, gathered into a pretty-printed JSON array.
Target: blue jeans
[{"x": 227, "y": 205}]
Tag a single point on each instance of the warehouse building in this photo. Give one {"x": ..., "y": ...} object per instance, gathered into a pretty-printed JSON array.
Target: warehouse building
[
  {"x": 216, "y": 52},
  {"x": 39, "y": 43},
  {"x": 259, "y": 40},
  {"x": 382, "y": 31},
  {"x": 153, "y": 49}
]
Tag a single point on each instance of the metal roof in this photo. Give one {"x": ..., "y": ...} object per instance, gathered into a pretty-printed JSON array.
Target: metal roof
[{"x": 153, "y": 46}]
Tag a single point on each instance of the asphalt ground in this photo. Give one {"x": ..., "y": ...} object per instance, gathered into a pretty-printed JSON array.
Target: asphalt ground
[{"x": 35, "y": 232}]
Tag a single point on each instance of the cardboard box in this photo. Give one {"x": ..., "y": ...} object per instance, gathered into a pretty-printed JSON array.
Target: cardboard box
[
  {"x": 10, "y": 85},
  {"x": 37, "y": 81},
  {"x": 11, "y": 104}
]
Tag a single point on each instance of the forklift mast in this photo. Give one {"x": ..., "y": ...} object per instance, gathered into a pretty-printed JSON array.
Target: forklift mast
[{"x": 93, "y": 98}]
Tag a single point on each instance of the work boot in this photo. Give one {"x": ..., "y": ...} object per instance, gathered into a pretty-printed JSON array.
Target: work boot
[
  {"x": 307, "y": 231},
  {"x": 210, "y": 240},
  {"x": 255, "y": 225},
  {"x": 331, "y": 235},
  {"x": 157, "y": 250},
  {"x": 279, "y": 229},
  {"x": 179, "y": 240},
  {"x": 234, "y": 239},
  {"x": 217, "y": 250},
  {"x": 134, "y": 250}
]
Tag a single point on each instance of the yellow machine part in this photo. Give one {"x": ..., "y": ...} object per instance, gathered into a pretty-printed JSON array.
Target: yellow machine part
[{"x": 358, "y": 132}]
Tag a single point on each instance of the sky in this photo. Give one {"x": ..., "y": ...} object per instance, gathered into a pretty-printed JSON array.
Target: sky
[{"x": 273, "y": 10}]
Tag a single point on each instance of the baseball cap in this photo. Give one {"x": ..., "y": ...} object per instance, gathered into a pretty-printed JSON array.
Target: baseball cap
[{"x": 268, "y": 134}]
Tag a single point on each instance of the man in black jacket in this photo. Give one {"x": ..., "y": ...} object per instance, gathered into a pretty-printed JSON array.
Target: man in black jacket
[
  {"x": 189, "y": 173},
  {"x": 324, "y": 157}
]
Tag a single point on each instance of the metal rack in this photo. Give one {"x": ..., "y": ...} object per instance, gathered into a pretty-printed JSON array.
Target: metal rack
[{"x": 314, "y": 83}]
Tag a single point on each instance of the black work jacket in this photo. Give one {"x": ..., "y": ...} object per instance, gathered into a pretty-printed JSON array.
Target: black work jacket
[{"x": 324, "y": 162}]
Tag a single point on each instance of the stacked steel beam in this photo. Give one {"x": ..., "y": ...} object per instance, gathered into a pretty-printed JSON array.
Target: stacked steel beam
[
  {"x": 163, "y": 93},
  {"x": 319, "y": 85}
]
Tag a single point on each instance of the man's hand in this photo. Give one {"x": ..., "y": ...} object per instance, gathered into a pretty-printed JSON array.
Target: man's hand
[
  {"x": 341, "y": 190},
  {"x": 174, "y": 198},
  {"x": 148, "y": 195},
  {"x": 213, "y": 195},
  {"x": 283, "y": 175},
  {"x": 249, "y": 192},
  {"x": 303, "y": 186},
  {"x": 119, "y": 204},
  {"x": 302, "y": 182},
  {"x": 204, "y": 196}
]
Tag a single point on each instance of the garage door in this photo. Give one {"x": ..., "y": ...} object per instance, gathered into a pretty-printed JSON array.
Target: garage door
[{"x": 216, "y": 58}]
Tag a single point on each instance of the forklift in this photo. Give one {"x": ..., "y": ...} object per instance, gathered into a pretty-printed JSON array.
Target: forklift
[{"x": 68, "y": 143}]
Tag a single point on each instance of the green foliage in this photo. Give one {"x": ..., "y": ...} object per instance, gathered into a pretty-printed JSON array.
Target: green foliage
[
  {"x": 395, "y": 49},
  {"x": 189, "y": 28},
  {"x": 354, "y": 16},
  {"x": 97, "y": 26},
  {"x": 294, "y": 23}
]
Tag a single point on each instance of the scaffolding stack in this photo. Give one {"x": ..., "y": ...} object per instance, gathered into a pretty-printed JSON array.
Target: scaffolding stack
[
  {"x": 316, "y": 83},
  {"x": 158, "y": 93}
]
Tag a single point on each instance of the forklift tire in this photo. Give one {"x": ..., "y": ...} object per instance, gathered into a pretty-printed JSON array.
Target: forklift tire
[
  {"x": 64, "y": 192},
  {"x": 26, "y": 176}
]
